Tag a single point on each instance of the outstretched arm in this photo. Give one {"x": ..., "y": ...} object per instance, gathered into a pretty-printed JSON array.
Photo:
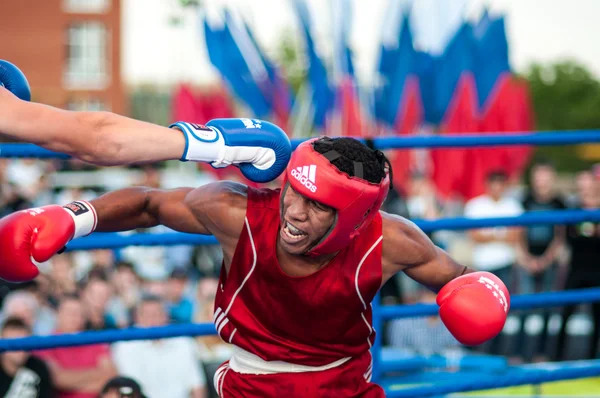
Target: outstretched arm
[
  {"x": 102, "y": 138},
  {"x": 473, "y": 307},
  {"x": 217, "y": 208}
]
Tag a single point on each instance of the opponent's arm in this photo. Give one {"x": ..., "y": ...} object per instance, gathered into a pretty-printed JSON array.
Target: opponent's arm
[
  {"x": 260, "y": 148},
  {"x": 473, "y": 305},
  {"x": 102, "y": 138}
]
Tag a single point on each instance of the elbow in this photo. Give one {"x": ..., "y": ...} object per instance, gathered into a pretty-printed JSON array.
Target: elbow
[{"x": 101, "y": 144}]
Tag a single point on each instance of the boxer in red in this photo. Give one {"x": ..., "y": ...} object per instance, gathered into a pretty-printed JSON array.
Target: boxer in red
[{"x": 301, "y": 264}]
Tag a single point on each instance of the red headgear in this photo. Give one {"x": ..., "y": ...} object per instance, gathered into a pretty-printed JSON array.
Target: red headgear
[{"x": 355, "y": 200}]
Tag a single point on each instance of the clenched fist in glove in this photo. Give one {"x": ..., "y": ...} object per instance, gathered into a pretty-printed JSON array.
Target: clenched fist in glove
[
  {"x": 39, "y": 234},
  {"x": 474, "y": 307}
]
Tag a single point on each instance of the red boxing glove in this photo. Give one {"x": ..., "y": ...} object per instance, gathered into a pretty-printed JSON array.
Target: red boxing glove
[
  {"x": 39, "y": 234},
  {"x": 474, "y": 307}
]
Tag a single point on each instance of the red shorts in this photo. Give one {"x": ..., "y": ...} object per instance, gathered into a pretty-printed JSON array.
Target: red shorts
[{"x": 344, "y": 381}]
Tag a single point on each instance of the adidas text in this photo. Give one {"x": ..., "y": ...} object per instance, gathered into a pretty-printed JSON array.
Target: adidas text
[{"x": 304, "y": 180}]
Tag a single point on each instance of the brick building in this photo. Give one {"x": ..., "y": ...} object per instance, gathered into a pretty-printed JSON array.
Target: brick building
[{"x": 70, "y": 51}]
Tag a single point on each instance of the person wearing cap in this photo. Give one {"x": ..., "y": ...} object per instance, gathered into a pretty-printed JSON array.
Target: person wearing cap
[
  {"x": 121, "y": 387},
  {"x": 166, "y": 368}
]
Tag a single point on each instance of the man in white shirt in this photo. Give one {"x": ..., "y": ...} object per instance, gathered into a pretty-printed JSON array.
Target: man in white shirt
[
  {"x": 164, "y": 368},
  {"x": 495, "y": 249}
]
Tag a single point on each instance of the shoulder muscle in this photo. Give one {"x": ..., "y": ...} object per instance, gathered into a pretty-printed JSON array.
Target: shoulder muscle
[
  {"x": 221, "y": 207},
  {"x": 404, "y": 244}
]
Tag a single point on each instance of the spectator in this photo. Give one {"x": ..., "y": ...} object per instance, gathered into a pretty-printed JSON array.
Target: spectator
[
  {"x": 126, "y": 285},
  {"x": 421, "y": 201},
  {"x": 212, "y": 350},
  {"x": 584, "y": 241},
  {"x": 164, "y": 368},
  {"x": 541, "y": 244},
  {"x": 95, "y": 296},
  {"x": 494, "y": 248},
  {"x": 78, "y": 372},
  {"x": 22, "y": 374},
  {"x": 206, "y": 289},
  {"x": 540, "y": 247},
  {"x": 149, "y": 262},
  {"x": 27, "y": 177},
  {"x": 45, "y": 320},
  {"x": 155, "y": 287},
  {"x": 180, "y": 307},
  {"x": 24, "y": 305},
  {"x": 62, "y": 278},
  {"x": 122, "y": 387},
  {"x": 11, "y": 198},
  {"x": 85, "y": 261}
]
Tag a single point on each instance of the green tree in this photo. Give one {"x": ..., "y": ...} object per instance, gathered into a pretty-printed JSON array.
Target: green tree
[
  {"x": 292, "y": 59},
  {"x": 566, "y": 96}
]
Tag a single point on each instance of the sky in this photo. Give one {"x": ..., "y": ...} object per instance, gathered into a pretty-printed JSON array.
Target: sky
[{"x": 538, "y": 31}]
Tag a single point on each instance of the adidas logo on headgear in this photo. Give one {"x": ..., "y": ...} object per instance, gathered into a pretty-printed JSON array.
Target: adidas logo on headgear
[{"x": 306, "y": 175}]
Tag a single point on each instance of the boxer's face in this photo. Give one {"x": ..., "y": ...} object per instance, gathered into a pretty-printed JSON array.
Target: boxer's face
[{"x": 304, "y": 222}]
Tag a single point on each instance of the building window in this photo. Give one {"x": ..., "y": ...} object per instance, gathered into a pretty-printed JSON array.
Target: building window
[
  {"x": 87, "y": 104},
  {"x": 87, "y": 56},
  {"x": 86, "y": 6}
]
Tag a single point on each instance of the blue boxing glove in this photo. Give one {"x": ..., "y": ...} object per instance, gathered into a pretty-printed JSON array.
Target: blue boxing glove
[
  {"x": 14, "y": 80},
  {"x": 260, "y": 149}
]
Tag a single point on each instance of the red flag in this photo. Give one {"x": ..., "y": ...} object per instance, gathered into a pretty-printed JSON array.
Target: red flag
[
  {"x": 450, "y": 169},
  {"x": 408, "y": 121},
  {"x": 508, "y": 109},
  {"x": 185, "y": 106},
  {"x": 519, "y": 117}
]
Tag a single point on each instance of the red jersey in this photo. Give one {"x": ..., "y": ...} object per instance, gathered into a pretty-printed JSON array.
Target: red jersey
[
  {"x": 313, "y": 320},
  {"x": 77, "y": 358}
]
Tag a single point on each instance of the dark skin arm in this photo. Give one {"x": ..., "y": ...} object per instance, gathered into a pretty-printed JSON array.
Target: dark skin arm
[
  {"x": 406, "y": 248},
  {"x": 217, "y": 208}
]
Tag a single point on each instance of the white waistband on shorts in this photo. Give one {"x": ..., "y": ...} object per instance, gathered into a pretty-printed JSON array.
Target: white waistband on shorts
[{"x": 243, "y": 361}]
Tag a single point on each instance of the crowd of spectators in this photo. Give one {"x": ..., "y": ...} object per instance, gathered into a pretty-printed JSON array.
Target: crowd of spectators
[
  {"x": 534, "y": 259},
  {"x": 155, "y": 286}
]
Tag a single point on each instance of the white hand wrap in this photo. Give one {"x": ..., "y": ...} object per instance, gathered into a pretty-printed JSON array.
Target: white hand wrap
[
  {"x": 206, "y": 144},
  {"x": 84, "y": 216},
  {"x": 202, "y": 143}
]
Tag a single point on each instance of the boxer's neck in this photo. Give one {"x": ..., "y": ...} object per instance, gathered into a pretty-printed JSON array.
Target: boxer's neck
[{"x": 299, "y": 265}]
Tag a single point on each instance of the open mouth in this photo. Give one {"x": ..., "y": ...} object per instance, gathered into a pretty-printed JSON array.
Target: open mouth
[{"x": 292, "y": 233}]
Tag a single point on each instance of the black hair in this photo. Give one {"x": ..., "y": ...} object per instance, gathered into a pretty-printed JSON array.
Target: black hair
[
  {"x": 352, "y": 157},
  {"x": 543, "y": 162},
  {"x": 123, "y": 385},
  {"x": 496, "y": 175},
  {"x": 68, "y": 297},
  {"x": 125, "y": 265},
  {"x": 95, "y": 274},
  {"x": 147, "y": 297},
  {"x": 13, "y": 322}
]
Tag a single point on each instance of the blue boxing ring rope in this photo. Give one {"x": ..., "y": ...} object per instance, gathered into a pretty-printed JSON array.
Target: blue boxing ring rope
[
  {"x": 381, "y": 364},
  {"x": 110, "y": 240},
  {"x": 573, "y": 137}
]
